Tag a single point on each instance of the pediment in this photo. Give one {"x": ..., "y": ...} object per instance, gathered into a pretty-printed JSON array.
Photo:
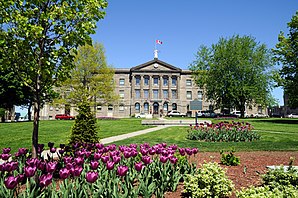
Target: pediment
[{"x": 155, "y": 65}]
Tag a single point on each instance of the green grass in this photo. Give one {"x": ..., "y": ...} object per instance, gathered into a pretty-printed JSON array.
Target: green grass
[
  {"x": 276, "y": 134},
  {"x": 19, "y": 134}
]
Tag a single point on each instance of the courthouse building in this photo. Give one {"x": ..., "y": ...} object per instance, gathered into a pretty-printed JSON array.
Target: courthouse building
[{"x": 154, "y": 87}]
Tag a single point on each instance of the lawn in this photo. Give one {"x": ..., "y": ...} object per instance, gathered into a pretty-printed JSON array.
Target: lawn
[
  {"x": 276, "y": 134},
  {"x": 19, "y": 134}
]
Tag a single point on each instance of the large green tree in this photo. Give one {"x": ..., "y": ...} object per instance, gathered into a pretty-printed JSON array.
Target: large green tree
[
  {"x": 286, "y": 52},
  {"x": 39, "y": 39},
  {"x": 234, "y": 72},
  {"x": 90, "y": 83}
]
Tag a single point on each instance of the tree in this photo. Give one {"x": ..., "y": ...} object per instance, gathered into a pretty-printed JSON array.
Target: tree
[
  {"x": 39, "y": 40},
  {"x": 286, "y": 52},
  {"x": 234, "y": 72},
  {"x": 90, "y": 83}
]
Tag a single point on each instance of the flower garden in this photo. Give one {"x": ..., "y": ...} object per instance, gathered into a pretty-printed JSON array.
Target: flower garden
[
  {"x": 223, "y": 132},
  {"x": 95, "y": 170}
]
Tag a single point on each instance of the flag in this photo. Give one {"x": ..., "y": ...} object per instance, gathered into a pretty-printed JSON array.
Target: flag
[{"x": 158, "y": 42}]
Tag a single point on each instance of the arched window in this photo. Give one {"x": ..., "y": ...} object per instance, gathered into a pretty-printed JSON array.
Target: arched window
[
  {"x": 165, "y": 107},
  {"x": 146, "y": 107},
  {"x": 137, "y": 107},
  {"x": 174, "y": 106}
]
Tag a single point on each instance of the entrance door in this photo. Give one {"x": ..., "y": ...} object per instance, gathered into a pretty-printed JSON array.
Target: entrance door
[{"x": 155, "y": 108}]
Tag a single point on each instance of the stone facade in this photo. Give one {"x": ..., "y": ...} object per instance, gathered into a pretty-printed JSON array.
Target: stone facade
[{"x": 154, "y": 87}]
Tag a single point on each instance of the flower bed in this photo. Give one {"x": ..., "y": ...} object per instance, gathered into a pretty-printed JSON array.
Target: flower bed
[
  {"x": 95, "y": 170},
  {"x": 223, "y": 132}
]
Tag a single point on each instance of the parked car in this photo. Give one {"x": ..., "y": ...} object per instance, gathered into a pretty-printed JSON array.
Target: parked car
[
  {"x": 207, "y": 114},
  {"x": 260, "y": 115},
  {"x": 64, "y": 117},
  {"x": 143, "y": 115},
  {"x": 175, "y": 113},
  {"x": 238, "y": 114},
  {"x": 292, "y": 115},
  {"x": 276, "y": 115}
]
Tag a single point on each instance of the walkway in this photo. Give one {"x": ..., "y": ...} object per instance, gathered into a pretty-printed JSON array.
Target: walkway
[{"x": 129, "y": 135}]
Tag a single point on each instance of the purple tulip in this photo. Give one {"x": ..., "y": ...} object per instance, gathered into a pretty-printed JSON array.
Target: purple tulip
[
  {"x": 6, "y": 150},
  {"x": 105, "y": 158},
  {"x": 97, "y": 156},
  {"x": 69, "y": 166},
  {"x": 10, "y": 166},
  {"x": 94, "y": 165},
  {"x": 67, "y": 160},
  {"x": 138, "y": 166},
  {"x": 64, "y": 173},
  {"x": 99, "y": 146},
  {"x": 133, "y": 145},
  {"x": 116, "y": 159},
  {"x": 62, "y": 146},
  {"x": 134, "y": 153},
  {"x": 76, "y": 171},
  {"x": 144, "y": 151},
  {"x": 151, "y": 151},
  {"x": 32, "y": 162},
  {"x": 23, "y": 151},
  {"x": 112, "y": 147},
  {"x": 2, "y": 166},
  {"x": 11, "y": 182},
  {"x": 127, "y": 154},
  {"x": 195, "y": 151},
  {"x": 61, "y": 151},
  {"x": 80, "y": 153},
  {"x": 21, "y": 178},
  {"x": 87, "y": 154},
  {"x": 5, "y": 156},
  {"x": 53, "y": 150},
  {"x": 110, "y": 165},
  {"x": 51, "y": 167},
  {"x": 182, "y": 151},
  {"x": 122, "y": 170},
  {"x": 188, "y": 151},
  {"x": 29, "y": 171},
  {"x": 79, "y": 161},
  {"x": 91, "y": 176},
  {"x": 45, "y": 180},
  {"x": 174, "y": 147},
  {"x": 173, "y": 160},
  {"x": 163, "y": 159},
  {"x": 146, "y": 159}
]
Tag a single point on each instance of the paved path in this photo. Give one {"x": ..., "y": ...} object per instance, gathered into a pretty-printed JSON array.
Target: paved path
[{"x": 128, "y": 135}]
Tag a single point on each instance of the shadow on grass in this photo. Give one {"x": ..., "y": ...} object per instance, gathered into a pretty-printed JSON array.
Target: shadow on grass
[{"x": 279, "y": 121}]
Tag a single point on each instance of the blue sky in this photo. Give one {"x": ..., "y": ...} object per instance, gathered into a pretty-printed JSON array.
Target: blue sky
[{"x": 131, "y": 27}]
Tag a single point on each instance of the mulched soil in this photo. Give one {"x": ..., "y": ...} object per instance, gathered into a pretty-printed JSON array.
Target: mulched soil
[{"x": 254, "y": 162}]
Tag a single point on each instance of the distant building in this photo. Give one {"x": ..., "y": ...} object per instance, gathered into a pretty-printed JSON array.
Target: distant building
[{"x": 154, "y": 87}]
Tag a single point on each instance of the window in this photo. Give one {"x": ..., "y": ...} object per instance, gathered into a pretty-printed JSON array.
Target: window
[
  {"x": 138, "y": 80},
  {"x": 165, "y": 81},
  {"x": 99, "y": 108},
  {"x": 137, "y": 107},
  {"x": 174, "y": 94},
  {"x": 110, "y": 108},
  {"x": 188, "y": 95},
  {"x": 146, "y": 93},
  {"x": 146, "y": 107},
  {"x": 200, "y": 95},
  {"x": 121, "y": 81},
  {"x": 121, "y": 94},
  {"x": 146, "y": 80},
  {"x": 174, "y": 81},
  {"x": 165, "y": 107},
  {"x": 121, "y": 107},
  {"x": 174, "y": 106},
  {"x": 138, "y": 94},
  {"x": 165, "y": 93},
  {"x": 260, "y": 109},
  {"x": 155, "y": 93},
  {"x": 155, "y": 80},
  {"x": 188, "y": 82},
  {"x": 51, "y": 108}
]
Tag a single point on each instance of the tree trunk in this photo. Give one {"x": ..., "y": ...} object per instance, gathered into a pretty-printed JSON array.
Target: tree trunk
[
  {"x": 35, "y": 129},
  {"x": 29, "y": 111}
]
